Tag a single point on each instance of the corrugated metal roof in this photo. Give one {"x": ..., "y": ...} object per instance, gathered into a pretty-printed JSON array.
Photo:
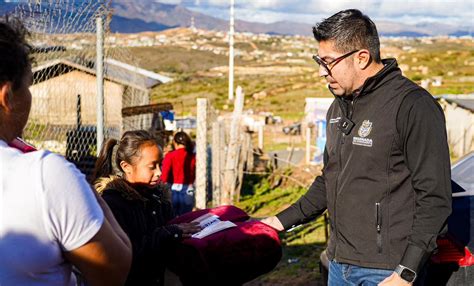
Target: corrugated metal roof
[
  {"x": 465, "y": 101},
  {"x": 116, "y": 71}
]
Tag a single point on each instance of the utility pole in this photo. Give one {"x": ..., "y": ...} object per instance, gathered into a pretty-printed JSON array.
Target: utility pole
[{"x": 231, "y": 52}]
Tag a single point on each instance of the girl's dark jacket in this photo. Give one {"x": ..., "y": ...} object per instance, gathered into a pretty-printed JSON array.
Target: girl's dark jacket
[
  {"x": 142, "y": 213},
  {"x": 386, "y": 177}
]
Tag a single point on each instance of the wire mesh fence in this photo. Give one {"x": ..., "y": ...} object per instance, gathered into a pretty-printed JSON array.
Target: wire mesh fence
[{"x": 63, "y": 117}]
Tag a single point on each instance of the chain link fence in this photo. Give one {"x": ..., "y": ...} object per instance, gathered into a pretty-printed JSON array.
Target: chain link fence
[{"x": 63, "y": 117}]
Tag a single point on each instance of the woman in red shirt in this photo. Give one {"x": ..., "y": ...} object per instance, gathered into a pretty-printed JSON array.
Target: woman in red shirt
[{"x": 179, "y": 170}]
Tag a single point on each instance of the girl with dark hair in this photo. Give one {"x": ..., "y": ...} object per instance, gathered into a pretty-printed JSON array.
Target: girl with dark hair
[
  {"x": 179, "y": 171},
  {"x": 127, "y": 176}
]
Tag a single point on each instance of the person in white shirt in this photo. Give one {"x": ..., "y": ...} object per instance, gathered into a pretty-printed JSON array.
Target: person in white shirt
[{"x": 50, "y": 219}]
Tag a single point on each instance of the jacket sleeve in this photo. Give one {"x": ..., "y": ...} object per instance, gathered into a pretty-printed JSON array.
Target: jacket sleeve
[
  {"x": 312, "y": 204},
  {"x": 166, "y": 170},
  {"x": 193, "y": 168},
  {"x": 421, "y": 126}
]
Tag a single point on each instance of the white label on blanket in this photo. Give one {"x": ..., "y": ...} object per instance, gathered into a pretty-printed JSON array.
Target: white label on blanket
[
  {"x": 207, "y": 219},
  {"x": 213, "y": 228}
]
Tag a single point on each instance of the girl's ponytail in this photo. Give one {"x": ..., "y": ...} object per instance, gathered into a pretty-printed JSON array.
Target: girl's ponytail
[{"x": 104, "y": 164}]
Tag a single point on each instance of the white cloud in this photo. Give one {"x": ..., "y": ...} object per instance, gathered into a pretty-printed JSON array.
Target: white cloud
[
  {"x": 456, "y": 12},
  {"x": 173, "y": 2}
]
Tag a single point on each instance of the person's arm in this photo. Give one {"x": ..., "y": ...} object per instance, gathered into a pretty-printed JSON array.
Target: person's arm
[
  {"x": 308, "y": 207},
  {"x": 166, "y": 171},
  {"x": 89, "y": 235},
  {"x": 422, "y": 130},
  {"x": 105, "y": 259}
]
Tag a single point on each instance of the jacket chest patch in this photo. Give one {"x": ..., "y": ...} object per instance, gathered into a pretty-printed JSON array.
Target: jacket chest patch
[{"x": 363, "y": 132}]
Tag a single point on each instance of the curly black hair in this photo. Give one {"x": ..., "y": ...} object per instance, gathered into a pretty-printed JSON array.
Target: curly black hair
[{"x": 14, "y": 51}]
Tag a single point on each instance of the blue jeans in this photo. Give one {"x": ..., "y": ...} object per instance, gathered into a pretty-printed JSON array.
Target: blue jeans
[
  {"x": 182, "y": 200},
  {"x": 341, "y": 274}
]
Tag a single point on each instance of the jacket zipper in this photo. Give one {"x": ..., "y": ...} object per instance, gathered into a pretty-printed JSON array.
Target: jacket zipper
[
  {"x": 350, "y": 111},
  {"x": 378, "y": 214}
]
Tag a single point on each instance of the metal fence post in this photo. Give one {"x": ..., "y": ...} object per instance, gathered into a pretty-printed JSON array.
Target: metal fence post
[{"x": 100, "y": 82}]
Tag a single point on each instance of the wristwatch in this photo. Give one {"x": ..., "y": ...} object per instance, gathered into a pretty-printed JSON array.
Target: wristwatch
[{"x": 406, "y": 273}]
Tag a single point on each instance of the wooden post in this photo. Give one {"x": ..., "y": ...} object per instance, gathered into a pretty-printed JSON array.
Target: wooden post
[
  {"x": 233, "y": 150},
  {"x": 260, "y": 136},
  {"x": 244, "y": 151},
  {"x": 308, "y": 145},
  {"x": 218, "y": 141},
  {"x": 201, "y": 153},
  {"x": 250, "y": 161},
  {"x": 222, "y": 156}
]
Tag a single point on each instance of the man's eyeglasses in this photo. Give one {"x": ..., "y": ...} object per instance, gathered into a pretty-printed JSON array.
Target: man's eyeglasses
[{"x": 329, "y": 66}]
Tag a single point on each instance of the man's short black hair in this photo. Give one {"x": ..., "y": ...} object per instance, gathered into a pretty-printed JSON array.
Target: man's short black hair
[
  {"x": 350, "y": 30},
  {"x": 14, "y": 51}
]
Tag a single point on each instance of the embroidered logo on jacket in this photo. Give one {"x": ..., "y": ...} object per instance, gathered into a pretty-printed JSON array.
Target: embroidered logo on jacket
[
  {"x": 364, "y": 131},
  {"x": 365, "y": 128}
]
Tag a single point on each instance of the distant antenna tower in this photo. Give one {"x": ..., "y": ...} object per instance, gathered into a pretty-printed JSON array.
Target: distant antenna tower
[
  {"x": 231, "y": 52},
  {"x": 193, "y": 26}
]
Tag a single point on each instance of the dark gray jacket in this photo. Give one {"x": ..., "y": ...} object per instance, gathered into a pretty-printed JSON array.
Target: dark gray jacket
[{"x": 386, "y": 175}]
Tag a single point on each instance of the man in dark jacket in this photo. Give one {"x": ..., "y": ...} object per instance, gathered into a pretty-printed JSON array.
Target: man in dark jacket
[{"x": 386, "y": 175}]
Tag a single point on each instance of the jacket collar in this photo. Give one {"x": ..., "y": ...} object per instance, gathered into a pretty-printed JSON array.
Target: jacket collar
[
  {"x": 120, "y": 185},
  {"x": 390, "y": 70}
]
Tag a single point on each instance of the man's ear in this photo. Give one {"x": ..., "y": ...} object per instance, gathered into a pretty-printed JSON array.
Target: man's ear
[
  {"x": 363, "y": 59},
  {"x": 6, "y": 96}
]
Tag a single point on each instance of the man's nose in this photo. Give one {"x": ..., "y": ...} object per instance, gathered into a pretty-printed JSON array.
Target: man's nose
[{"x": 323, "y": 71}]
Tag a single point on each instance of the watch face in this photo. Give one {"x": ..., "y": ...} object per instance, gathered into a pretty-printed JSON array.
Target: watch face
[{"x": 408, "y": 275}]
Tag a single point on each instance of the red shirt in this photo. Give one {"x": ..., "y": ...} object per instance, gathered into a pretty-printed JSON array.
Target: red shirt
[{"x": 179, "y": 167}]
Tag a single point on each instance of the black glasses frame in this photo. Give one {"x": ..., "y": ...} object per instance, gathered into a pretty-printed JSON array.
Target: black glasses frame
[{"x": 329, "y": 66}]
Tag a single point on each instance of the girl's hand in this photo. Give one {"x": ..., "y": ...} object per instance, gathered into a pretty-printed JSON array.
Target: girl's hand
[{"x": 189, "y": 228}]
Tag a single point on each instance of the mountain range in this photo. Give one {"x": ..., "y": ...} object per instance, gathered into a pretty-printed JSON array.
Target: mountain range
[{"x": 146, "y": 15}]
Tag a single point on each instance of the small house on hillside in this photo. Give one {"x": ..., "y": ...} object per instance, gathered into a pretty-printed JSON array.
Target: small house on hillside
[
  {"x": 63, "y": 116},
  {"x": 60, "y": 85},
  {"x": 459, "y": 113}
]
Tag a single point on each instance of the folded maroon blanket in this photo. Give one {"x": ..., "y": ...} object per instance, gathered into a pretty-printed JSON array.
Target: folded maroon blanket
[{"x": 231, "y": 256}]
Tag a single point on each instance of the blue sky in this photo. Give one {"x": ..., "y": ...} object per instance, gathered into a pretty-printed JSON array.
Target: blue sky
[{"x": 454, "y": 12}]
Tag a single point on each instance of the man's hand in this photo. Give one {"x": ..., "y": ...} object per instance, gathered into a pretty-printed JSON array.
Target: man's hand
[
  {"x": 274, "y": 222},
  {"x": 394, "y": 280}
]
